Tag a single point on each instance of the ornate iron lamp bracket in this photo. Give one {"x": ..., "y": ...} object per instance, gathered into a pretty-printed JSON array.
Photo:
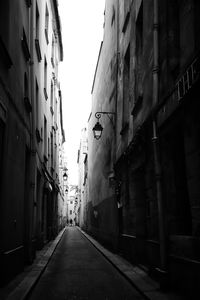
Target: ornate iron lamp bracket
[{"x": 99, "y": 113}]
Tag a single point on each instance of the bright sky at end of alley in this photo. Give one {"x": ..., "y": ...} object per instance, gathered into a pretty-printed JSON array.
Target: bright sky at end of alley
[{"x": 82, "y": 33}]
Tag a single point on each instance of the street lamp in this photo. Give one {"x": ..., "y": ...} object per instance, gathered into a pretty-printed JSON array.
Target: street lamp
[
  {"x": 65, "y": 176},
  {"x": 98, "y": 129}
]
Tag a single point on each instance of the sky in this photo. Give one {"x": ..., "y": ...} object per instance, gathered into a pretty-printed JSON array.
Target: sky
[{"x": 82, "y": 33}]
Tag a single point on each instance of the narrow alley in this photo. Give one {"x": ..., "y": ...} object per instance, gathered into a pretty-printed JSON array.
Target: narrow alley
[
  {"x": 77, "y": 270},
  {"x": 99, "y": 147}
]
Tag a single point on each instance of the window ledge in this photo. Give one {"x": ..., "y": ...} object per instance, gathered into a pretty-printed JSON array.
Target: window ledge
[
  {"x": 126, "y": 22},
  {"x": 5, "y": 56},
  {"x": 45, "y": 158},
  {"x": 25, "y": 47},
  {"x": 137, "y": 105},
  {"x": 27, "y": 104},
  {"x": 125, "y": 128}
]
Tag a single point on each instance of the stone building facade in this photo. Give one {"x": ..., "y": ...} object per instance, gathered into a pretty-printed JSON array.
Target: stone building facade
[
  {"x": 102, "y": 207},
  {"x": 31, "y": 130},
  {"x": 148, "y": 74}
]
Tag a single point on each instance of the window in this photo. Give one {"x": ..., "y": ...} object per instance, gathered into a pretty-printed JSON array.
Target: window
[
  {"x": 126, "y": 84},
  {"x": 45, "y": 78},
  {"x": 25, "y": 85},
  {"x": 45, "y": 136},
  {"x": 127, "y": 4},
  {"x": 26, "y": 94},
  {"x": 126, "y": 14},
  {"x": 52, "y": 96},
  {"x": 52, "y": 156},
  {"x": 37, "y": 30},
  {"x": 71, "y": 202},
  {"x": 55, "y": 110},
  {"x": 113, "y": 15},
  {"x": 37, "y": 22},
  {"x": 37, "y": 103},
  {"x": 52, "y": 51},
  {"x": 25, "y": 46},
  {"x": 48, "y": 148},
  {"x": 85, "y": 169},
  {"x": 46, "y": 30},
  {"x": 70, "y": 212}
]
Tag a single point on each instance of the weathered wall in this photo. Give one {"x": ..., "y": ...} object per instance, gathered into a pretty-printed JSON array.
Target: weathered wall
[
  {"x": 15, "y": 137},
  {"x": 101, "y": 152},
  {"x": 23, "y": 216},
  {"x": 137, "y": 216},
  {"x": 178, "y": 127}
]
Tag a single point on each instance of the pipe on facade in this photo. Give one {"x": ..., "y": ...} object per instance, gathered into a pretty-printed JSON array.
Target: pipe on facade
[
  {"x": 116, "y": 245},
  {"x": 116, "y": 86},
  {"x": 32, "y": 196},
  {"x": 157, "y": 164}
]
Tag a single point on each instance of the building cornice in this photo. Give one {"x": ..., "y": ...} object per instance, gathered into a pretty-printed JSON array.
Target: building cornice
[
  {"x": 96, "y": 67},
  {"x": 58, "y": 23}
]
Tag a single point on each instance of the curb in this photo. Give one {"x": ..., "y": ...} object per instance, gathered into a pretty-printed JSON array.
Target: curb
[
  {"x": 27, "y": 284},
  {"x": 146, "y": 286}
]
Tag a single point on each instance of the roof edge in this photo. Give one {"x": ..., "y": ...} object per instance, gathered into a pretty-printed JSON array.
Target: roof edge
[{"x": 55, "y": 3}]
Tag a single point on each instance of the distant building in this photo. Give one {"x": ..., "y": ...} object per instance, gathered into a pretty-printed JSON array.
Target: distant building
[
  {"x": 63, "y": 189},
  {"x": 72, "y": 206},
  {"x": 31, "y": 130},
  {"x": 148, "y": 75},
  {"x": 82, "y": 161}
]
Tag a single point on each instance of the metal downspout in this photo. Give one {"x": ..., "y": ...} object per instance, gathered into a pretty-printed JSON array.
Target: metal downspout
[
  {"x": 157, "y": 164},
  {"x": 32, "y": 198},
  {"x": 115, "y": 124},
  {"x": 116, "y": 95}
]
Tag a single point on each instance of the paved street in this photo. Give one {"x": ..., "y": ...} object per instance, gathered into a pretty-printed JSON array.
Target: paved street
[{"x": 78, "y": 271}]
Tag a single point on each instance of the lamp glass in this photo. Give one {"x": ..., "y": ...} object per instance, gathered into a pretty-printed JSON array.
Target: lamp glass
[
  {"x": 97, "y": 130},
  {"x": 65, "y": 176}
]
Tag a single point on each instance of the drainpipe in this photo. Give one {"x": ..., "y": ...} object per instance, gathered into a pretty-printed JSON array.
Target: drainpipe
[
  {"x": 32, "y": 197},
  {"x": 157, "y": 164},
  {"x": 116, "y": 95},
  {"x": 115, "y": 124}
]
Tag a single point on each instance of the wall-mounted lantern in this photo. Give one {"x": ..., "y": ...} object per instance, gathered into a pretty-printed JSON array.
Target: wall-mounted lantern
[
  {"x": 98, "y": 129},
  {"x": 65, "y": 176}
]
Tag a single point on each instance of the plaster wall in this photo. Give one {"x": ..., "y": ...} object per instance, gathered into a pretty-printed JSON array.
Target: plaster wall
[{"x": 101, "y": 152}]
